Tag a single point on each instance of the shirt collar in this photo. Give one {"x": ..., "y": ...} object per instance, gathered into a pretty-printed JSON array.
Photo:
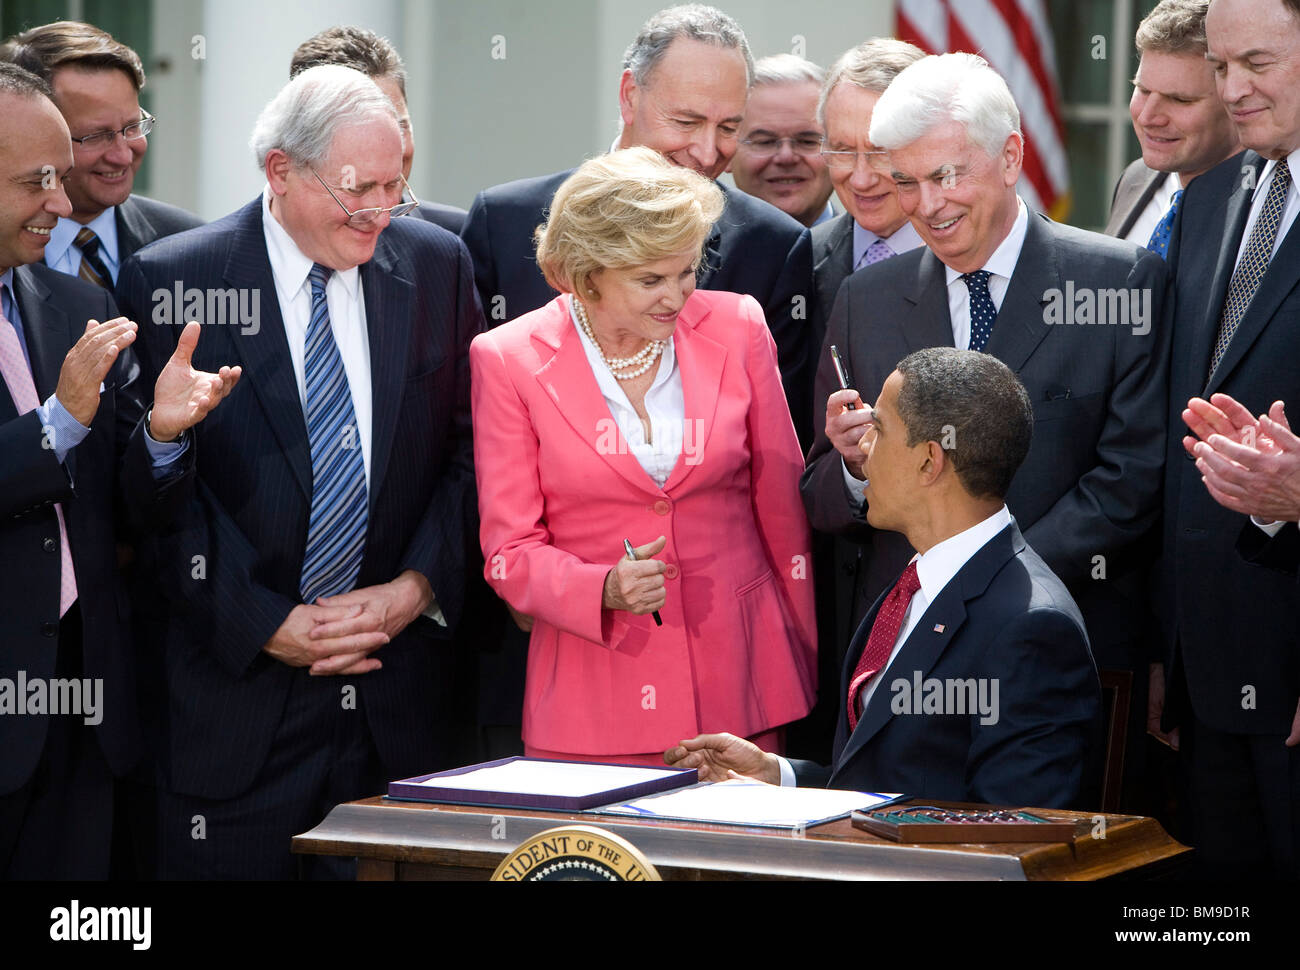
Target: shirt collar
[
  {"x": 289, "y": 265},
  {"x": 944, "y": 560},
  {"x": 64, "y": 235},
  {"x": 1003, "y": 261},
  {"x": 904, "y": 239},
  {"x": 827, "y": 215},
  {"x": 1292, "y": 162}
]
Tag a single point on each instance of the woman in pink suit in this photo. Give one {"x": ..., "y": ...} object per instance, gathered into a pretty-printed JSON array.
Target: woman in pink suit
[{"x": 644, "y": 410}]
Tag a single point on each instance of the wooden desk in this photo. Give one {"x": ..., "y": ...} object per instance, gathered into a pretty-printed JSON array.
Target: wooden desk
[{"x": 417, "y": 841}]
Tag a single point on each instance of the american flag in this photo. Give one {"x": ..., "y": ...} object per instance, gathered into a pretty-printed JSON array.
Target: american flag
[{"x": 1014, "y": 37}]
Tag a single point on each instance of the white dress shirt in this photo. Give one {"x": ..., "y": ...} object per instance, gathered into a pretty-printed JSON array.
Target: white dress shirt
[
  {"x": 1140, "y": 232},
  {"x": 665, "y": 403},
  {"x": 1001, "y": 264},
  {"x": 935, "y": 569},
  {"x": 347, "y": 308},
  {"x": 62, "y": 254}
]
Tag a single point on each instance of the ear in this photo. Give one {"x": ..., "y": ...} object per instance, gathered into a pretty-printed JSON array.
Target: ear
[
  {"x": 936, "y": 460},
  {"x": 278, "y": 168},
  {"x": 1013, "y": 158},
  {"x": 628, "y": 97}
]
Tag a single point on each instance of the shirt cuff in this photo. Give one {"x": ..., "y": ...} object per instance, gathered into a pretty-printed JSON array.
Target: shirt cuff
[
  {"x": 1269, "y": 529},
  {"x": 62, "y": 431},
  {"x": 787, "y": 773},
  {"x": 434, "y": 612},
  {"x": 164, "y": 453},
  {"x": 857, "y": 489}
]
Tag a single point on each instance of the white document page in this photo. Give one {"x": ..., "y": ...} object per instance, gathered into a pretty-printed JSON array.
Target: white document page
[
  {"x": 549, "y": 778},
  {"x": 745, "y": 802}
]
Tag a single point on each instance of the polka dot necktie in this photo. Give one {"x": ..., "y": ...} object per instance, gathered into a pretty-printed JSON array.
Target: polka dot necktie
[
  {"x": 1159, "y": 242},
  {"x": 1254, "y": 263},
  {"x": 884, "y": 633},
  {"x": 982, "y": 311},
  {"x": 92, "y": 268}
]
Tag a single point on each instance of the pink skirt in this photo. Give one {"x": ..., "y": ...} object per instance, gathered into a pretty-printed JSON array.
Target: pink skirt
[{"x": 772, "y": 741}]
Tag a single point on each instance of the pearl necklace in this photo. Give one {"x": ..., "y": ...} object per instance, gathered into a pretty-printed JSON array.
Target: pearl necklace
[{"x": 646, "y": 356}]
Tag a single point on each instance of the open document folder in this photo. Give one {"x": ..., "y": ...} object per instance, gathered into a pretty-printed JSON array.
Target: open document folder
[{"x": 742, "y": 801}]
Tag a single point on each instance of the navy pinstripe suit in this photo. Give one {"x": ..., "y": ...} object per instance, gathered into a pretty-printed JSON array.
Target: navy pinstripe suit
[{"x": 226, "y": 699}]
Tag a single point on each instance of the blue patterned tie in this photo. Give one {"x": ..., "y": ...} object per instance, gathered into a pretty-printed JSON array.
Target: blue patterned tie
[
  {"x": 1254, "y": 262},
  {"x": 1159, "y": 241},
  {"x": 336, "y": 534},
  {"x": 982, "y": 311}
]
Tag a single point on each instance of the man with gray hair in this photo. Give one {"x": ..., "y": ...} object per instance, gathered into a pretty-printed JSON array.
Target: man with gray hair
[
  {"x": 325, "y": 550},
  {"x": 1180, "y": 122},
  {"x": 1077, "y": 315},
  {"x": 683, "y": 92},
  {"x": 779, "y": 156}
]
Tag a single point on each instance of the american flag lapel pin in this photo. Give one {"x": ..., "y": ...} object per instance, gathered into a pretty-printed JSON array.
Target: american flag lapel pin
[{"x": 938, "y": 628}]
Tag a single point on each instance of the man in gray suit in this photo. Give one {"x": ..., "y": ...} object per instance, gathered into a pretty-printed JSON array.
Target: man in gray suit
[
  {"x": 1179, "y": 120},
  {"x": 97, "y": 81},
  {"x": 1075, "y": 314}
]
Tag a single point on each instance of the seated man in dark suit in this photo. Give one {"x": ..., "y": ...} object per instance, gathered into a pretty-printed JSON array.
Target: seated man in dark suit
[
  {"x": 1078, "y": 317},
  {"x": 685, "y": 82},
  {"x": 335, "y": 494},
  {"x": 1180, "y": 122},
  {"x": 97, "y": 82},
  {"x": 971, "y": 679},
  {"x": 365, "y": 51},
  {"x": 77, "y": 447}
]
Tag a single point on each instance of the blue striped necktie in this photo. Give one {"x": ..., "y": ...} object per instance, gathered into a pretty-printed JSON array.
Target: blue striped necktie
[{"x": 336, "y": 534}]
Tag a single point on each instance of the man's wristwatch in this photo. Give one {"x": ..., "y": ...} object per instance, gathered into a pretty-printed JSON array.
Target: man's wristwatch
[{"x": 148, "y": 429}]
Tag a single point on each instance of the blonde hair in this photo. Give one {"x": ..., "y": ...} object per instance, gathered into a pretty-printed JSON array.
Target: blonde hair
[{"x": 621, "y": 210}]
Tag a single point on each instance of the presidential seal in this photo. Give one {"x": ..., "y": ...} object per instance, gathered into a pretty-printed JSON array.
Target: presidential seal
[{"x": 575, "y": 853}]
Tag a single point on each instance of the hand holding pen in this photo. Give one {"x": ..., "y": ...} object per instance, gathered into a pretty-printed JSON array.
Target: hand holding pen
[{"x": 636, "y": 582}]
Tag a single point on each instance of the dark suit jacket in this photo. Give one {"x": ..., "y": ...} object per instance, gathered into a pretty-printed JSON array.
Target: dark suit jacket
[
  {"x": 141, "y": 220},
  {"x": 1231, "y": 624},
  {"x": 450, "y": 217},
  {"x": 107, "y": 474},
  {"x": 755, "y": 249},
  {"x": 1133, "y": 193},
  {"x": 1090, "y": 485},
  {"x": 250, "y": 520},
  {"x": 832, "y": 254},
  {"x": 1005, "y": 618}
]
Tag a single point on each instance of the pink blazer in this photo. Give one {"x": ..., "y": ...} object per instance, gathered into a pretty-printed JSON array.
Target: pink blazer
[{"x": 559, "y": 490}]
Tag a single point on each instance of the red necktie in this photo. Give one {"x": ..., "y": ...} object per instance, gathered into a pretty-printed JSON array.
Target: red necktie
[{"x": 884, "y": 632}]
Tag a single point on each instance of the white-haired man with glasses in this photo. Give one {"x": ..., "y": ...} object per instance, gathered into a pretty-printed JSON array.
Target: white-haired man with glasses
[
  {"x": 96, "y": 81},
  {"x": 334, "y": 500}
]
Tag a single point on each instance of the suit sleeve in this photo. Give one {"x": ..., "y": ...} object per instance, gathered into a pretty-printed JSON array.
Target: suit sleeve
[
  {"x": 1036, "y": 750},
  {"x": 774, "y": 480},
  {"x": 787, "y": 311},
  {"x": 825, "y": 497},
  {"x": 1116, "y": 502},
  {"x": 437, "y": 548},
  {"x": 520, "y": 562},
  {"x": 477, "y": 238},
  {"x": 1280, "y": 551},
  {"x": 205, "y": 560}
]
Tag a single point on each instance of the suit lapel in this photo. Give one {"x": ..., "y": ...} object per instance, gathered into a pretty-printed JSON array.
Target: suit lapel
[
  {"x": 1279, "y": 280},
  {"x": 132, "y": 229},
  {"x": 930, "y": 323},
  {"x": 701, "y": 361},
  {"x": 389, "y": 297},
  {"x": 49, "y": 335},
  {"x": 567, "y": 379},
  {"x": 834, "y": 262},
  {"x": 935, "y": 630},
  {"x": 1020, "y": 327},
  {"x": 265, "y": 354}
]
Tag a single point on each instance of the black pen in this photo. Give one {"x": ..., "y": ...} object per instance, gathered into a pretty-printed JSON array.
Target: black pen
[
  {"x": 631, "y": 554},
  {"x": 841, "y": 374}
]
